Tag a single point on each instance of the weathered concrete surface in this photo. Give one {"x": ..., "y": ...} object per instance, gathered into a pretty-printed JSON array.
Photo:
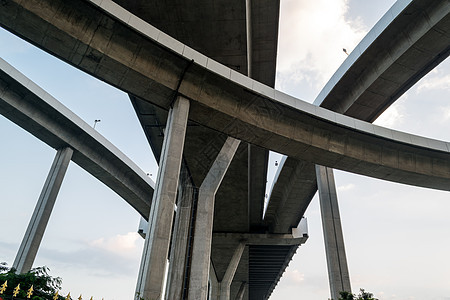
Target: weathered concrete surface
[
  {"x": 39, "y": 220},
  {"x": 30, "y": 107},
  {"x": 246, "y": 110},
  {"x": 201, "y": 254},
  {"x": 338, "y": 274},
  {"x": 156, "y": 247}
]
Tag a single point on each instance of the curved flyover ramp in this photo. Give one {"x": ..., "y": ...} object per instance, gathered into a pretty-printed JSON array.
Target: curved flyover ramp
[{"x": 223, "y": 99}]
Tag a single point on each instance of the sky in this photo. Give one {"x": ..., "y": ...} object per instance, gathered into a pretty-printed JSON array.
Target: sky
[{"x": 395, "y": 235}]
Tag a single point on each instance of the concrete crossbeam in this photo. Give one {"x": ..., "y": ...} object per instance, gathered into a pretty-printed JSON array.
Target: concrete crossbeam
[
  {"x": 156, "y": 247},
  {"x": 338, "y": 274},
  {"x": 39, "y": 220},
  {"x": 201, "y": 253},
  {"x": 258, "y": 239}
]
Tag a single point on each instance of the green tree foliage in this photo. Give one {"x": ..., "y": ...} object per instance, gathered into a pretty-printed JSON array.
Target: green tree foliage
[
  {"x": 44, "y": 285},
  {"x": 363, "y": 295}
]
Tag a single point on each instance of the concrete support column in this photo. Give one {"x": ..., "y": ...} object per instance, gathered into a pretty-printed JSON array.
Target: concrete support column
[
  {"x": 332, "y": 231},
  {"x": 201, "y": 253},
  {"x": 225, "y": 284},
  {"x": 36, "y": 228},
  {"x": 214, "y": 284},
  {"x": 180, "y": 238},
  {"x": 156, "y": 247},
  {"x": 241, "y": 292}
]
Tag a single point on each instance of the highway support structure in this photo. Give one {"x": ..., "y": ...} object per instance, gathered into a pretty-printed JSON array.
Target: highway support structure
[
  {"x": 201, "y": 253},
  {"x": 156, "y": 248},
  {"x": 338, "y": 274},
  {"x": 39, "y": 220},
  {"x": 220, "y": 290}
]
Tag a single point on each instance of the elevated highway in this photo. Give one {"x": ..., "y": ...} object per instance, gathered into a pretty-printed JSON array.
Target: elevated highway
[
  {"x": 154, "y": 68},
  {"x": 410, "y": 40},
  {"x": 30, "y": 107}
]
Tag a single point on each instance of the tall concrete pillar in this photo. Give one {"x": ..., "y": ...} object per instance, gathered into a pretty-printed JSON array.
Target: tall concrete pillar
[
  {"x": 241, "y": 292},
  {"x": 332, "y": 231},
  {"x": 156, "y": 247},
  {"x": 180, "y": 238},
  {"x": 214, "y": 284},
  {"x": 36, "y": 228},
  {"x": 201, "y": 253},
  {"x": 225, "y": 284}
]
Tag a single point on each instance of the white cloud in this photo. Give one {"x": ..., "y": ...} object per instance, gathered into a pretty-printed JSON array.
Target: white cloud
[
  {"x": 124, "y": 245},
  {"x": 434, "y": 81},
  {"x": 346, "y": 187},
  {"x": 307, "y": 33},
  {"x": 392, "y": 117},
  {"x": 294, "y": 276}
]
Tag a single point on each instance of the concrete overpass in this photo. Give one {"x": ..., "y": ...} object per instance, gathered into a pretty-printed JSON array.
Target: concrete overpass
[
  {"x": 98, "y": 52},
  {"x": 409, "y": 41},
  {"x": 30, "y": 107}
]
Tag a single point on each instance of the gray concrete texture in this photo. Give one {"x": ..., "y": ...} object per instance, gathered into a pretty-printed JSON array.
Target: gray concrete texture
[{"x": 303, "y": 131}]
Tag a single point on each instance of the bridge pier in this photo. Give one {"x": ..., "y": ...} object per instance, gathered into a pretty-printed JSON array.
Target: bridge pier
[
  {"x": 338, "y": 275},
  {"x": 180, "y": 237},
  {"x": 201, "y": 253},
  {"x": 39, "y": 220},
  {"x": 225, "y": 284},
  {"x": 157, "y": 241},
  {"x": 220, "y": 290},
  {"x": 241, "y": 292}
]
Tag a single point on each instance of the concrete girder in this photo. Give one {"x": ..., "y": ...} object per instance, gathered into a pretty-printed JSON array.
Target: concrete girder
[
  {"x": 243, "y": 108},
  {"x": 30, "y": 107},
  {"x": 260, "y": 239}
]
